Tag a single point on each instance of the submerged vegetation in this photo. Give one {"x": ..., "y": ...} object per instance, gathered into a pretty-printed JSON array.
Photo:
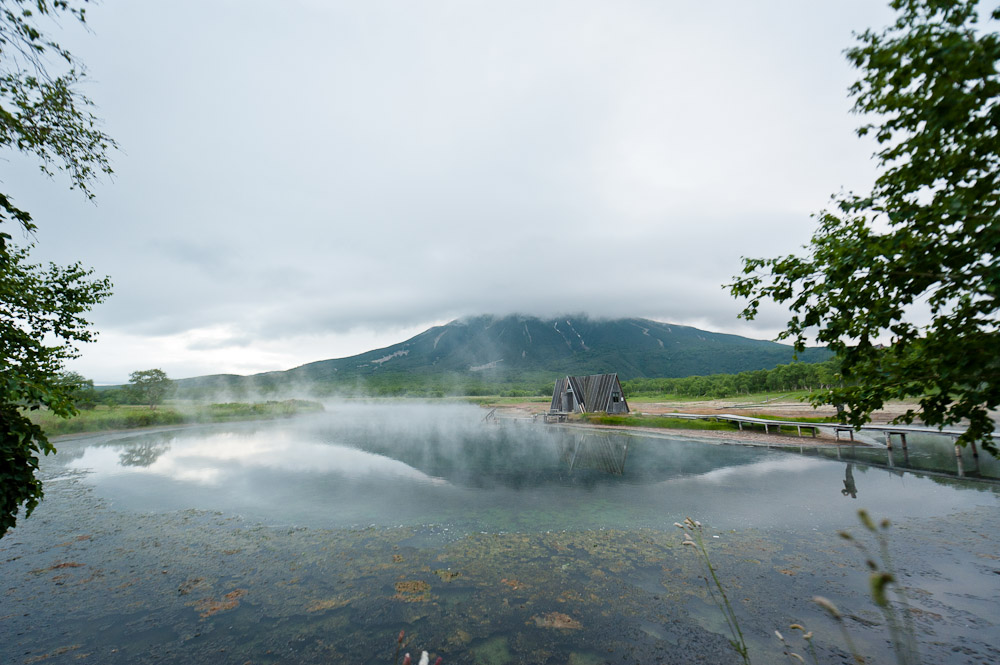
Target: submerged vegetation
[
  {"x": 485, "y": 543},
  {"x": 883, "y": 580}
]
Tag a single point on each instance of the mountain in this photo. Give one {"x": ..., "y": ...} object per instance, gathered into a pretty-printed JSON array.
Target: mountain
[{"x": 523, "y": 348}]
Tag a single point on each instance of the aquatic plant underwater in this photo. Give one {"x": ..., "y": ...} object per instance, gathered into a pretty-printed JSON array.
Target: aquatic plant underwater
[
  {"x": 487, "y": 545},
  {"x": 882, "y": 581}
]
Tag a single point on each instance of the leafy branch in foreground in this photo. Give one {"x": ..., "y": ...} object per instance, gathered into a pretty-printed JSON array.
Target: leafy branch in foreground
[
  {"x": 41, "y": 320},
  {"x": 44, "y": 116},
  {"x": 927, "y": 235},
  {"x": 42, "y": 111}
]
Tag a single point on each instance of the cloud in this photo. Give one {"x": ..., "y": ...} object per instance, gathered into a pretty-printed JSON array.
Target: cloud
[{"x": 316, "y": 170}]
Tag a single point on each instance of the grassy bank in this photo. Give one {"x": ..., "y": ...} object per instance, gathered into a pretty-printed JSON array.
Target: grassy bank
[
  {"x": 130, "y": 417},
  {"x": 666, "y": 422},
  {"x": 661, "y": 422}
]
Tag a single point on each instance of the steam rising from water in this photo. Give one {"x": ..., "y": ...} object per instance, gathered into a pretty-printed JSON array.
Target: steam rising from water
[{"x": 410, "y": 463}]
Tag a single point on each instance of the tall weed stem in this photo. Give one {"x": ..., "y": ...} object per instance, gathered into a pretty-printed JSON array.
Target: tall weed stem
[{"x": 718, "y": 594}]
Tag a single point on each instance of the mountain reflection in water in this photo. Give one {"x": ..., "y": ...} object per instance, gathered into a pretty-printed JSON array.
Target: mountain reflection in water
[
  {"x": 442, "y": 465},
  {"x": 492, "y": 543}
]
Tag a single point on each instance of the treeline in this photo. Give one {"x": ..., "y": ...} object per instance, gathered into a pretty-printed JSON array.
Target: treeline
[
  {"x": 792, "y": 377},
  {"x": 795, "y": 376},
  {"x": 394, "y": 384}
]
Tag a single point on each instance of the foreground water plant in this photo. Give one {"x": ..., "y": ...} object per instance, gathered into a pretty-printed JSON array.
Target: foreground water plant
[
  {"x": 883, "y": 581},
  {"x": 715, "y": 589},
  {"x": 807, "y": 636},
  {"x": 835, "y": 614}
]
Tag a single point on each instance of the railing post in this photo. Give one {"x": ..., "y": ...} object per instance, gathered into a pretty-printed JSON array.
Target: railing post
[{"x": 958, "y": 458}]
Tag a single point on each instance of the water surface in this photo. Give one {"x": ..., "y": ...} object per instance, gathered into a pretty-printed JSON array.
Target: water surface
[{"x": 318, "y": 539}]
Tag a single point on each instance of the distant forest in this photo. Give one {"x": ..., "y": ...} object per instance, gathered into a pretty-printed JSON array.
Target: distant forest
[
  {"x": 792, "y": 377},
  {"x": 797, "y": 376}
]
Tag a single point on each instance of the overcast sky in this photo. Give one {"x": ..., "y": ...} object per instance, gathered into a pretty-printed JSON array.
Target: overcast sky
[{"x": 308, "y": 179}]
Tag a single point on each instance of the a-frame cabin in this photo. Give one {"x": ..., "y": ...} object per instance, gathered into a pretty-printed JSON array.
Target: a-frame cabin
[{"x": 589, "y": 394}]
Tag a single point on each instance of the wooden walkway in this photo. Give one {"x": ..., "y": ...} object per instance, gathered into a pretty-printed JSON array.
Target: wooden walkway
[{"x": 888, "y": 431}]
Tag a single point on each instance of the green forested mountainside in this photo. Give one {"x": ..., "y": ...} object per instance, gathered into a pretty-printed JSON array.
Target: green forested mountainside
[{"x": 518, "y": 352}]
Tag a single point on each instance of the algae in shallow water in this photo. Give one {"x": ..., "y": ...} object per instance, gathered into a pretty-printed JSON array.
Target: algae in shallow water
[
  {"x": 207, "y": 607},
  {"x": 413, "y": 591},
  {"x": 494, "y": 651},
  {"x": 320, "y": 596},
  {"x": 557, "y": 620}
]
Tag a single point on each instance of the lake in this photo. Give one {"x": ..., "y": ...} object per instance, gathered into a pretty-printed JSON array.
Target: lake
[{"x": 316, "y": 540}]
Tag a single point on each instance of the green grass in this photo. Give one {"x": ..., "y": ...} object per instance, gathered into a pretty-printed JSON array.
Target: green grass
[
  {"x": 104, "y": 418},
  {"x": 255, "y": 410},
  {"x": 661, "y": 422},
  {"x": 662, "y": 397},
  {"x": 736, "y": 400}
]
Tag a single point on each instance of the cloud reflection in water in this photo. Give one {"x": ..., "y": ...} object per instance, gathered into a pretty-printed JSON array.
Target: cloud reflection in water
[{"x": 423, "y": 464}]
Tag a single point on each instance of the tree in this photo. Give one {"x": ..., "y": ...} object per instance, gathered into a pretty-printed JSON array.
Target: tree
[
  {"x": 150, "y": 386},
  {"x": 41, "y": 320},
  {"x": 927, "y": 233},
  {"x": 42, "y": 115},
  {"x": 81, "y": 390}
]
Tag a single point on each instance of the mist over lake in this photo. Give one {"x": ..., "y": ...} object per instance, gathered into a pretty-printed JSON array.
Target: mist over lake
[{"x": 318, "y": 539}]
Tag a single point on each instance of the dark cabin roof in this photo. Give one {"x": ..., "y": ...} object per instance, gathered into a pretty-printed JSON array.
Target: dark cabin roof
[{"x": 593, "y": 391}]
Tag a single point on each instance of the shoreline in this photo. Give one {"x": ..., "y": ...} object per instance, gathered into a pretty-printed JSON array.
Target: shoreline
[
  {"x": 724, "y": 437},
  {"x": 823, "y": 439}
]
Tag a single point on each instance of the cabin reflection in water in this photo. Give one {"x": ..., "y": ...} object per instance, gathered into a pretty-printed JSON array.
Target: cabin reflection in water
[{"x": 600, "y": 453}]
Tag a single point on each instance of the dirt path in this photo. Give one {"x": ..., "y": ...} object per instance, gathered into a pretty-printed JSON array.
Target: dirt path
[{"x": 780, "y": 408}]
